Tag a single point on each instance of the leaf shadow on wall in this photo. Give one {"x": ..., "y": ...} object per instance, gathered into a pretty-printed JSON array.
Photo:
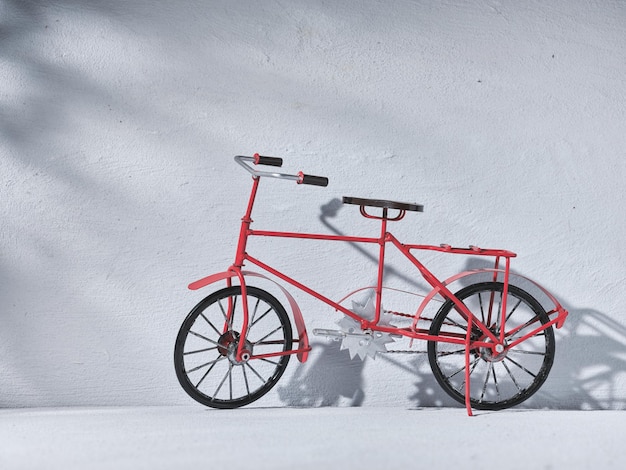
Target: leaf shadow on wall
[{"x": 59, "y": 334}]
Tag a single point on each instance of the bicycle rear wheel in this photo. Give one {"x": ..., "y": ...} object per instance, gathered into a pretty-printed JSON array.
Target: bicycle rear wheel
[
  {"x": 206, "y": 345},
  {"x": 501, "y": 380}
]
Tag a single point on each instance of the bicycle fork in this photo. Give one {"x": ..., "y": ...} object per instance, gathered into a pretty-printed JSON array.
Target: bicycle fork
[{"x": 243, "y": 354}]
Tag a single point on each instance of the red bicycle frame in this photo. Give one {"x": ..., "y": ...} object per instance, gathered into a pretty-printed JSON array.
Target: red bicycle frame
[{"x": 488, "y": 339}]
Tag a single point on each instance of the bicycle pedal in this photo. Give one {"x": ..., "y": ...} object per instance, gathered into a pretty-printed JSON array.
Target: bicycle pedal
[{"x": 335, "y": 334}]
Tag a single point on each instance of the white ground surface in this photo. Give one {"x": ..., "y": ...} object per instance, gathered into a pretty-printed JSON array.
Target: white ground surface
[{"x": 308, "y": 438}]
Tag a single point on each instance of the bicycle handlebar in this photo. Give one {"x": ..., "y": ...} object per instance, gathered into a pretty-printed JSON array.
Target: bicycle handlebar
[
  {"x": 313, "y": 180},
  {"x": 269, "y": 161},
  {"x": 257, "y": 159}
]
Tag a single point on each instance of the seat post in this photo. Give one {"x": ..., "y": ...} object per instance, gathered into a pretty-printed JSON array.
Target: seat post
[{"x": 381, "y": 265}]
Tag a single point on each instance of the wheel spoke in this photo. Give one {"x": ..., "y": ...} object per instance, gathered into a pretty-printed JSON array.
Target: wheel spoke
[
  {"x": 230, "y": 367},
  {"x": 450, "y": 353},
  {"x": 519, "y": 334},
  {"x": 520, "y": 366},
  {"x": 492, "y": 295},
  {"x": 482, "y": 311},
  {"x": 230, "y": 379},
  {"x": 207, "y": 372},
  {"x": 519, "y": 301},
  {"x": 451, "y": 322},
  {"x": 482, "y": 395},
  {"x": 231, "y": 313},
  {"x": 255, "y": 321},
  {"x": 267, "y": 343},
  {"x": 499, "y": 312},
  {"x": 511, "y": 375},
  {"x": 256, "y": 308},
  {"x": 245, "y": 379},
  {"x": 265, "y": 359},
  {"x": 210, "y": 363},
  {"x": 518, "y": 329},
  {"x": 256, "y": 373},
  {"x": 200, "y": 351},
  {"x": 228, "y": 317},
  {"x": 198, "y": 335},
  {"x": 520, "y": 351},
  {"x": 210, "y": 324},
  {"x": 219, "y": 302},
  {"x": 495, "y": 380},
  {"x": 474, "y": 363},
  {"x": 269, "y": 334}
]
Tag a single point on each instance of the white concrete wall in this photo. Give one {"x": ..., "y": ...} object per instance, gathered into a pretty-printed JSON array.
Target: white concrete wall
[{"x": 119, "y": 120}]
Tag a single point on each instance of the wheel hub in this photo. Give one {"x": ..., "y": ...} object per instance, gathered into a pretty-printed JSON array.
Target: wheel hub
[
  {"x": 228, "y": 345},
  {"x": 493, "y": 354}
]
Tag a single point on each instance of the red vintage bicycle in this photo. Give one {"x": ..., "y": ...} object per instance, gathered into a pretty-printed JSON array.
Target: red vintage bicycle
[{"x": 490, "y": 345}]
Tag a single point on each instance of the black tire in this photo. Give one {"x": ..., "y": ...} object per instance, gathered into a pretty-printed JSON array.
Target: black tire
[
  {"x": 204, "y": 355},
  {"x": 497, "y": 381}
]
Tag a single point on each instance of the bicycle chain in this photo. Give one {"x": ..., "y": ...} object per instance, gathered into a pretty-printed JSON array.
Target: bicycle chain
[
  {"x": 400, "y": 314},
  {"x": 405, "y": 351},
  {"x": 409, "y": 351}
]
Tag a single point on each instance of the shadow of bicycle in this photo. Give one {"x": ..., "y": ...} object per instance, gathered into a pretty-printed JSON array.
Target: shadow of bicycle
[
  {"x": 590, "y": 364},
  {"x": 589, "y": 369},
  {"x": 328, "y": 378}
]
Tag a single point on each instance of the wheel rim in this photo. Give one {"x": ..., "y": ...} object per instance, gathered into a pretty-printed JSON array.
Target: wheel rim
[
  {"x": 498, "y": 379},
  {"x": 206, "y": 348}
]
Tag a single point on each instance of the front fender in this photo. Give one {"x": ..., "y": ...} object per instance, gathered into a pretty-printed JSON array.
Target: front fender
[{"x": 303, "y": 338}]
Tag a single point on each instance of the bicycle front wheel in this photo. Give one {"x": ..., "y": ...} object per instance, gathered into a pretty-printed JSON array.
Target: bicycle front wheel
[
  {"x": 499, "y": 380},
  {"x": 206, "y": 346}
]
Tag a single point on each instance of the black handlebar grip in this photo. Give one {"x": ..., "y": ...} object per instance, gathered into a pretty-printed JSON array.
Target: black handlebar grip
[
  {"x": 270, "y": 161},
  {"x": 314, "y": 180}
]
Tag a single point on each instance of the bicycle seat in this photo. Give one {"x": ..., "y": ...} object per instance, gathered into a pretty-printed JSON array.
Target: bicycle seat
[{"x": 403, "y": 206}]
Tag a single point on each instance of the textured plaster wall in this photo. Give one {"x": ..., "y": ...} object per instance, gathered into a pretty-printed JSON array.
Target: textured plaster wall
[{"x": 119, "y": 120}]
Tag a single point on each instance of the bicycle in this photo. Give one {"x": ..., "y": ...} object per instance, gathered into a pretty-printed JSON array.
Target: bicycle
[{"x": 490, "y": 345}]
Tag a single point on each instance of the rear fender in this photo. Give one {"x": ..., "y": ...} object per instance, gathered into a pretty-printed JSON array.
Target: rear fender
[
  {"x": 558, "y": 308},
  {"x": 303, "y": 338}
]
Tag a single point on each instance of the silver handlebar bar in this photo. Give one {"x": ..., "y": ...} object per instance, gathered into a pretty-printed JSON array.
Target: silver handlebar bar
[
  {"x": 241, "y": 159},
  {"x": 299, "y": 178}
]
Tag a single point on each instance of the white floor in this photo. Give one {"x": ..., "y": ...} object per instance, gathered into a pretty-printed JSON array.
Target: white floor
[{"x": 313, "y": 438}]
